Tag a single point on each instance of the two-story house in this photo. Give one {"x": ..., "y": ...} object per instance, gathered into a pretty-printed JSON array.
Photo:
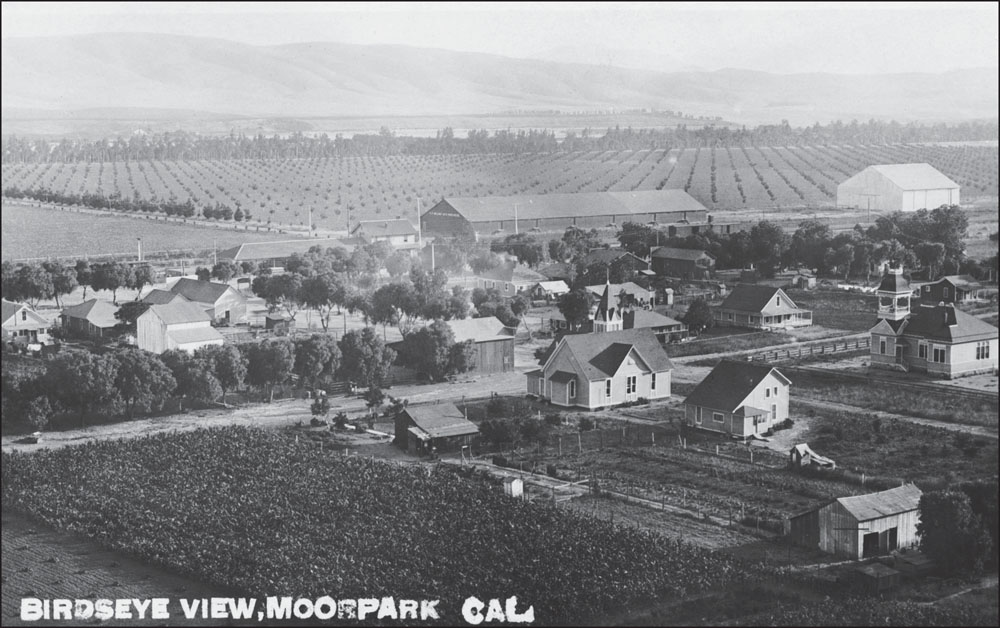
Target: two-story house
[
  {"x": 509, "y": 279},
  {"x": 743, "y": 399},
  {"x": 760, "y": 307},
  {"x": 179, "y": 325},
  {"x": 22, "y": 325},
  {"x": 602, "y": 369},
  {"x": 952, "y": 289}
]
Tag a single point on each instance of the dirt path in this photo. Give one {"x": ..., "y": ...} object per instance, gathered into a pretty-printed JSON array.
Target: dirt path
[{"x": 978, "y": 430}]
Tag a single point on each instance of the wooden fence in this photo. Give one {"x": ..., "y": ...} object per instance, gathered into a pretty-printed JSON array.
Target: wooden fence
[{"x": 827, "y": 348}]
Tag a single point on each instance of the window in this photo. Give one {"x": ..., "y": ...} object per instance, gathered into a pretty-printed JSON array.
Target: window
[
  {"x": 506, "y": 287},
  {"x": 922, "y": 351},
  {"x": 718, "y": 417},
  {"x": 881, "y": 346},
  {"x": 939, "y": 355},
  {"x": 945, "y": 292},
  {"x": 774, "y": 412},
  {"x": 652, "y": 381},
  {"x": 982, "y": 350},
  {"x": 775, "y": 391},
  {"x": 697, "y": 415},
  {"x": 777, "y": 301},
  {"x": 927, "y": 288},
  {"x": 767, "y": 392},
  {"x": 607, "y": 388},
  {"x": 730, "y": 316},
  {"x": 572, "y": 389},
  {"x": 630, "y": 384},
  {"x": 24, "y": 315}
]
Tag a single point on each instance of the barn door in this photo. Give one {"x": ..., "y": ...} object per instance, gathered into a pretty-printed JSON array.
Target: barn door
[{"x": 870, "y": 547}]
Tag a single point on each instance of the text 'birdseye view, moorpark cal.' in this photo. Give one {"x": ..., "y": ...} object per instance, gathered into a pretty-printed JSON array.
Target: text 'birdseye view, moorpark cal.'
[{"x": 377, "y": 314}]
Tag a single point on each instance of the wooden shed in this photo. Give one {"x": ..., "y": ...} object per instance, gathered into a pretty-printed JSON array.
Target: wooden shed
[
  {"x": 870, "y": 525},
  {"x": 433, "y": 428}
]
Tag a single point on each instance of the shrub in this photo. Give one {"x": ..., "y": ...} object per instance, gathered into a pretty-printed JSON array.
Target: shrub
[
  {"x": 553, "y": 418},
  {"x": 552, "y": 470},
  {"x": 497, "y": 407},
  {"x": 586, "y": 423},
  {"x": 500, "y": 461}
]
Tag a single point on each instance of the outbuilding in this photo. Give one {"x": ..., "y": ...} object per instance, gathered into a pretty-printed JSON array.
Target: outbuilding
[
  {"x": 433, "y": 428},
  {"x": 898, "y": 187},
  {"x": 870, "y": 525}
]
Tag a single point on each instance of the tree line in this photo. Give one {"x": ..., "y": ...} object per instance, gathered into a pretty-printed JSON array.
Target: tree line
[{"x": 188, "y": 146}]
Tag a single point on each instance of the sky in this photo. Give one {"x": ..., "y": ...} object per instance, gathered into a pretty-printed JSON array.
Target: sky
[{"x": 851, "y": 38}]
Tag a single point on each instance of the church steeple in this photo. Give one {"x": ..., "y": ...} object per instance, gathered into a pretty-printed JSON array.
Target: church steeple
[
  {"x": 894, "y": 295},
  {"x": 607, "y": 317}
]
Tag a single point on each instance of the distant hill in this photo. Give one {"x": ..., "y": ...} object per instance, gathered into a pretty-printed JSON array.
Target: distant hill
[{"x": 155, "y": 73}]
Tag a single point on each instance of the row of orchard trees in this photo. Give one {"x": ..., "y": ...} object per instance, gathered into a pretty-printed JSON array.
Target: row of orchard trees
[
  {"x": 181, "y": 145},
  {"x": 127, "y": 382},
  {"x": 35, "y": 282},
  {"x": 117, "y": 202}
]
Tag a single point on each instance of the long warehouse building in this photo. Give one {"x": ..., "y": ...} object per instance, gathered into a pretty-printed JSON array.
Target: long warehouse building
[{"x": 486, "y": 215}]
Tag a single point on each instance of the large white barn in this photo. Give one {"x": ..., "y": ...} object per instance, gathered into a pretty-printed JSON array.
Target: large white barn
[{"x": 898, "y": 187}]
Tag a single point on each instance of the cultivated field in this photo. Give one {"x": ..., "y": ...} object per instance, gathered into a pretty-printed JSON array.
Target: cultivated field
[
  {"x": 282, "y": 191},
  {"x": 34, "y": 232}
]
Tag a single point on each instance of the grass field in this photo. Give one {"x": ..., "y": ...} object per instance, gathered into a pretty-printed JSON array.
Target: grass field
[
  {"x": 707, "y": 344},
  {"x": 33, "y": 232},
  {"x": 838, "y": 309}
]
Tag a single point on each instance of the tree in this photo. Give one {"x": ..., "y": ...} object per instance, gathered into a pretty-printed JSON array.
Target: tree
[
  {"x": 931, "y": 256},
  {"x": 194, "y": 376},
  {"x": 320, "y": 406},
  {"x": 458, "y": 303},
  {"x": 317, "y": 358},
  {"x": 580, "y": 242},
  {"x": 203, "y": 274},
  {"x": 810, "y": 243},
  {"x": 83, "y": 381},
  {"x": 523, "y": 246},
  {"x": 519, "y": 306},
  {"x": 429, "y": 350},
  {"x": 575, "y": 307},
  {"x": 140, "y": 277},
  {"x": 142, "y": 379},
  {"x": 227, "y": 363},
  {"x": 280, "y": 291},
  {"x": 364, "y": 357},
  {"x": 394, "y": 304},
  {"x": 129, "y": 312},
  {"x": 33, "y": 284},
  {"x": 111, "y": 276},
  {"x": 323, "y": 293},
  {"x": 637, "y": 238},
  {"x": 840, "y": 258},
  {"x": 951, "y": 533},
  {"x": 224, "y": 270},
  {"x": 270, "y": 362},
  {"x": 63, "y": 279},
  {"x": 769, "y": 245},
  {"x": 374, "y": 398},
  {"x": 9, "y": 286},
  {"x": 484, "y": 261},
  {"x": 698, "y": 316},
  {"x": 398, "y": 264}
]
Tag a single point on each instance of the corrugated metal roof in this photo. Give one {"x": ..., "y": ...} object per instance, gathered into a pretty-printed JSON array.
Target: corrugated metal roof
[
  {"x": 915, "y": 176},
  {"x": 481, "y": 329},
  {"x": 96, "y": 312},
  {"x": 537, "y": 206},
  {"x": 882, "y": 504},
  {"x": 440, "y": 420},
  {"x": 729, "y": 383},
  {"x": 196, "y": 334}
]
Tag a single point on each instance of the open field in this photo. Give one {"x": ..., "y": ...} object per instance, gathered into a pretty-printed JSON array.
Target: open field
[
  {"x": 357, "y": 188},
  {"x": 34, "y": 232},
  {"x": 838, "y": 309},
  {"x": 267, "y": 513}
]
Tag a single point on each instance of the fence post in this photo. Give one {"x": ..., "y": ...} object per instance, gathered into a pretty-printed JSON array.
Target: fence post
[
  {"x": 579, "y": 440},
  {"x": 560, "y": 446}
]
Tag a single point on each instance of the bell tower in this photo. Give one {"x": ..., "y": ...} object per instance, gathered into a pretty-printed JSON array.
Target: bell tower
[{"x": 894, "y": 295}]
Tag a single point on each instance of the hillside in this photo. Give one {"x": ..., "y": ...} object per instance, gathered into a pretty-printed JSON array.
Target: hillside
[{"x": 43, "y": 78}]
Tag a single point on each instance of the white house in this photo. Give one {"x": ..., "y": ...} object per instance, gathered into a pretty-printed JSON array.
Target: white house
[
  {"x": 22, "y": 325},
  {"x": 399, "y": 233},
  {"x": 739, "y": 398},
  {"x": 178, "y": 325}
]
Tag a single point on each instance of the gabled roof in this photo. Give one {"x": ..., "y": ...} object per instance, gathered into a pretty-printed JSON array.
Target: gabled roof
[
  {"x": 649, "y": 318},
  {"x": 617, "y": 288},
  {"x": 559, "y": 270},
  {"x": 439, "y": 420},
  {"x": 882, "y": 504},
  {"x": 194, "y": 334},
  {"x": 160, "y": 297},
  {"x": 946, "y": 322},
  {"x": 11, "y": 308},
  {"x": 668, "y": 252},
  {"x": 178, "y": 312},
  {"x": 887, "y": 327},
  {"x": 562, "y": 377},
  {"x": 253, "y": 251},
  {"x": 555, "y": 287},
  {"x": 606, "y": 256},
  {"x": 510, "y": 273},
  {"x": 915, "y": 176},
  {"x": 729, "y": 383},
  {"x": 396, "y": 227},
  {"x": 200, "y": 291},
  {"x": 600, "y": 355},
  {"x": 98, "y": 313},
  {"x": 481, "y": 329},
  {"x": 538, "y": 206},
  {"x": 966, "y": 282},
  {"x": 755, "y": 298}
]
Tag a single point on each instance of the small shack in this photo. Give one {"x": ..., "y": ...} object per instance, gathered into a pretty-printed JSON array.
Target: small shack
[
  {"x": 433, "y": 428},
  {"x": 802, "y": 456},
  {"x": 513, "y": 487},
  {"x": 870, "y": 525},
  {"x": 278, "y": 323},
  {"x": 873, "y": 578}
]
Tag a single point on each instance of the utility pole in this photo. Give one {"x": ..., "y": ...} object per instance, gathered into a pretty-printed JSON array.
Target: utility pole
[
  {"x": 515, "y": 218},
  {"x": 215, "y": 251},
  {"x": 420, "y": 232},
  {"x": 432, "y": 257},
  {"x": 140, "y": 248}
]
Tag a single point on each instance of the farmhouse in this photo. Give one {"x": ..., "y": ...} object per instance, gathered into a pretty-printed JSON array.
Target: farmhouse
[
  {"x": 433, "y": 427},
  {"x": 494, "y": 343},
  {"x": 94, "y": 318},
  {"x": 938, "y": 339},
  {"x": 742, "y": 399},
  {"x": 898, "y": 187},
  {"x": 953, "y": 289},
  {"x": 473, "y": 217},
  {"x": 760, "y": 307},
  {"x": 601, "y": 370},
  {"x": 509, "y": 279},
  {"x": 861, "y": 526},
  {"x": 401, "y": 234},
  {"x": 615, "y": 259},
  {"x": 22, "y": 325},
  {"x": 180, "y": 325},
  {"x": 682, "y": 263},
  {"x": 277, "y": 254},
  {"x": 223, "y": 303}
]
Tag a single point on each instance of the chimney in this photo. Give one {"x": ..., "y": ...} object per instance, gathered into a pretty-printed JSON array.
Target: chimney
[{"x": 628, "y": 318}]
